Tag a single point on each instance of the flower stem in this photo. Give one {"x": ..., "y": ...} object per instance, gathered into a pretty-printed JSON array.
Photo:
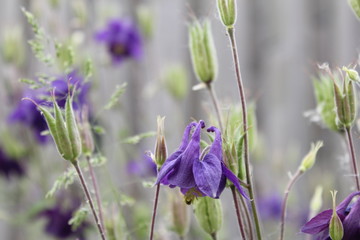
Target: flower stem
[
  {"x": 97, "y": 192},
  {"x": 213, "y": 236},
  {"x": 216, "y": 105},
  {"x": 154, "y": 210},
  {"x": 87, "y": 193},
  {"x": 241, "y": 225},
  {"x": 231, "y": 35},
  {"x": 247, "y": 216},
  {"x": 353, "y": 157},
  {"x": 283, "y": 206}
]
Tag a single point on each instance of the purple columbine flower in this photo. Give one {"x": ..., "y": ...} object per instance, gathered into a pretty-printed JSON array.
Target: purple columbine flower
[
  {"x": 199, "y": 177},
  {"x": 10, "y": 166},
  {"x": 57, "y": 221},
  {"x": 143, "y": 168},
  {"x": 123, "y": 40},
  {"x": 348, "y": 214},
  {"x": 27, "y": 114}
]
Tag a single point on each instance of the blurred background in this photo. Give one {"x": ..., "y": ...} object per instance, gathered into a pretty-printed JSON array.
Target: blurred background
[{"x": 280, "y": 44}]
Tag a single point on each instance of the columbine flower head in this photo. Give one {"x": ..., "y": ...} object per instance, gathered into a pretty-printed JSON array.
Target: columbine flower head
[
  {"x": 9, "y": 166},
  {"x": 123, "y": 40},
  {"x": 194, "y": 176},
  {"x": 348, "y": 214}
]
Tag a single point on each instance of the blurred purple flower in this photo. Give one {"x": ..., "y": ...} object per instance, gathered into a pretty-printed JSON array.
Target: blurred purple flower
[
  {"x": 10, "y": 166},
  {"x": 348, "y": 214},
  {"x": 123, "y": 40},
  {"x": 27, "y": 114},
  {"x": 57, "y": 221},
  {"x": 200, "y": 177},
  {"x": 270, "y": 207},
  {"x": 143, "y": 168}
]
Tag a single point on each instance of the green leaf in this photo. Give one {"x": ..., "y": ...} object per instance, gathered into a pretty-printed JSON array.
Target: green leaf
[
  {"x": 78, "y": 218},
  {"x": 137, "y": 138},
  {"x": 120, "y": 89},
  {"x": 62, "y": 181}
]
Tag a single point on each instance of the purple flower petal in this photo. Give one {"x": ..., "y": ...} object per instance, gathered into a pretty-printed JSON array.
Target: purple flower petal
[
  {"x": 234, "y": 180},
  {"x": 318, "y": 223},
  {"x": 208, "y": 174}
]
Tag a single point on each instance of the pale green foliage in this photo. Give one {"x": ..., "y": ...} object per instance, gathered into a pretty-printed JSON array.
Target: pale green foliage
[
  {"x": 78, "y": 218},
  {"x": 355, "y": 6},
  {"x": 137, "y": 138},
  {"x": 63, "y": 181},
  {"x": 324, "y": 93},
  {"x": 120, "y": 89},
  {"x": 12, "y": 47},
  {"x": 209, "y": 214},
  {"x": 145, "y": 19},
  {"x": 176, "y": 81},
  {"x": 65, "y": 56},
  {"x": 88, "y": 68},
  {"x": 203, "y": 52}
]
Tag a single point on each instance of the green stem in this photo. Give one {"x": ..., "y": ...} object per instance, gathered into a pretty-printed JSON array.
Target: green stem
[
  {"x": 97, "y": 192},
  {"x": 353, "y": 157},
  {"x": 241, "y": 225},
  {"x": 216, "y": 105},
  {"x": 231, "y": 35},
  {"x": 283, "y": 207},
  {"x": 88, "y": 196},
  {"x": 154, "y": 211}
]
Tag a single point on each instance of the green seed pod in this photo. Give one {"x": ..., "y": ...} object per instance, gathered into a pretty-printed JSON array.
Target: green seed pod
[
  {"x": 179, "y": 215},
  {"x": 208, "y": 212},
  {"x": 336, "y": 230},
  {"x": 351, "y": 73},
  {"x": 227, "y": 12},
  {"x": 72, "y": 129},
  {"x": 310, "y": 158},
  {"x": 203, "y": 52},
  {"x": 64, "y": 146},
  {"x": 340, "y": 110},
  {"x": 50, "y": 121},
  {"x": 352, "y": 102}
]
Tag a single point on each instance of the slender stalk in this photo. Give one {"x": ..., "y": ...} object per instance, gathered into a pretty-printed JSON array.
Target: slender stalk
[
  {"x": 241, "y": 225},
  {"x": 154, "y": 210},
  {"x": 97, "y": 192},
  {"x": 87, "y": 193},
  {"x": 353, "y": 157},
  {"x": 216, "y": 105},
  {"x": 213, "y": 236},
  {"x": 245, "y": 211},
  {"x": 286, "y": 195},
  {"x": 231, "y": 35}
]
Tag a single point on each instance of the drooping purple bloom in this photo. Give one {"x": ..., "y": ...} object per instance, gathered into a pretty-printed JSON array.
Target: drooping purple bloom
[
  {"x": 200, "y": 177},
  {"x": 10, "y": 166},
  {"x": 27, "y": 113},
  {"x": 57, "y": 221},
  {"x": 123, "y": 40},
  {"x": 348, "y": 214}
]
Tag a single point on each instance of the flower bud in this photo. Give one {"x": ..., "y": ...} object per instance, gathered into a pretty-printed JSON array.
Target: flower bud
[
  {"x": 176, "y": 81},
  {"x": 345, "y": 101},
  {"x": 352, "y": 73},
  {"x": 309, "y": 160},
  {"x": 336, "y": 230},
  {"x": 203, "y": 53},
  {"x": 160, "y": 147},
  {"x": 227, "y": 12},
  {"x": 208, "y": 212},
  {"x": 316, "y": 201},
  {"x": 180, "y": 215}
]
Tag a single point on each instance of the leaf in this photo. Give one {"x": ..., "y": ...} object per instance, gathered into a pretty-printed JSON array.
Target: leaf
[
  {"x": 120, "y": 89},
  {"x": 78, "y": 218},
  {"x": 137, "y": 138},
  {"x": 62, "y": 181}
]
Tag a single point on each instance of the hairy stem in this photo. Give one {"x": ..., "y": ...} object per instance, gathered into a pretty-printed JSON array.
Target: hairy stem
[
  {"x": 231, "y": 35},
  {"x": 283, "y": 206},
  {"x": 241, "y": 225},
  {"x": 88, "y": 196},
  {"x": 353, "y": 157},
  {"x": 216, "y": 105},
  {"x": 154, "y": 211},
  {"x": 249, "y": 225},
  {"x": 97, "y": 192}
]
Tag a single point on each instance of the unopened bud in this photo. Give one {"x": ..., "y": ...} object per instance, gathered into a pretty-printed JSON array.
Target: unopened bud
[
  {"x": 203, "y": 53},
  {"x": 176, "y": 81},
  {"x": 316, "y": 201},
  {"x": 208, "y": 212},
  {"x": 336, "y": 230},
  {"x": 309, "y": 160},
  {"x": 180, "y": 215},
  {"x": 160, "y": 147},
  {"x": 345, "y": 101},
  {"x": 227, "y": 12},
  {"x": 352, "y": 73}
]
